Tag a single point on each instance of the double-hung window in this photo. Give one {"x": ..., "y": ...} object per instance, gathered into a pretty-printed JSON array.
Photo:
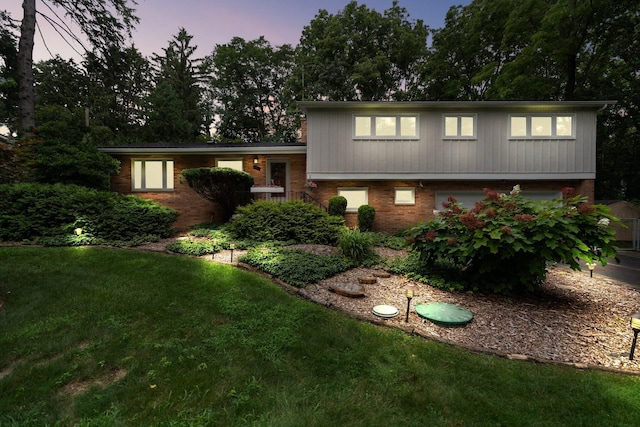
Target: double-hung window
[
  {"x": 459, "y": 126},
  {"x": 541, "y": 126},
  {"x": 385, "y": 127},
  {"x": 152, "y": 175},
  {"x": 356, "y": 197}
]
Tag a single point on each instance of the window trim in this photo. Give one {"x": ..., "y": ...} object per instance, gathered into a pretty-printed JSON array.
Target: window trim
[
  {"x": 366, "y": 196},
  {"x": 234, "y": 159},
  {"x": 554, "y": 118},
  {"x": 398, "y": 129},
  {"x": 166, "y": 179},
  {"x": 459, "y": 135},
  {"x": 405, "y": 203}
]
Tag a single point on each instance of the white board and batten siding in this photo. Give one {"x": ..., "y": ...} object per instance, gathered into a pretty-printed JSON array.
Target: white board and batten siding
[{"x": 334, "y": 153}]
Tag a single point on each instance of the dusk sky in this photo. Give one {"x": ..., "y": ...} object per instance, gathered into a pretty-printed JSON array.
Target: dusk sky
[{"x": 217, "y": 22}]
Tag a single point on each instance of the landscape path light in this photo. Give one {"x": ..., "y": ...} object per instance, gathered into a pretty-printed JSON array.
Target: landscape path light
[
  {"x": 410, "y": 294},
  {"x": 78, "y": 231},
  {"x": 591, "y": 266},
  {"x": 635, "y": 325},
  {"x": 232, "y": 246}
]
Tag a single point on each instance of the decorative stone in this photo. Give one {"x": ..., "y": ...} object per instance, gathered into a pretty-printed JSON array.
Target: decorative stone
[
  {"x": 351, "y": 290},
  {"x": 382, "y": 274},
  {"x": 368, "y": 280}
]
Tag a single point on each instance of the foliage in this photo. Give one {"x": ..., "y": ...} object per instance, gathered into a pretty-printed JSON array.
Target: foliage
[
  {"x": 366, "y": 216},
  {"x": 194, "y": 247},
  {"x": 337, "y": 206},
  {"x": 36, "y": 211},
  {"x": 287, "y": 221},
  {"x": 177, "y": 111},
  {"x": 66, "y": 154},
  {"x": 249, "y": 84},
  {"x": 358, "y": 247},
  {"x": 360, "y": 54},
  {"x": 441, "y": 274},
  {"x": 387, "y": 241},
  {"x": 296, "y": 267},
  {"x": 504, "y": 243},
  {"x": 226, "y": 187}
]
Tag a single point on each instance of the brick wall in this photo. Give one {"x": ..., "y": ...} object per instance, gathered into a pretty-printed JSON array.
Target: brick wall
[
  {"x": 192, "y": 207},
  {"x": 391, "y": 217}
]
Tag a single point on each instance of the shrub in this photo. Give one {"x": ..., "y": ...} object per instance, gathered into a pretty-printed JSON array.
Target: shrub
[
  {"x": 337, "y": 206},
  {"x": 226, "y": 187},
  {"x": 366, "y": 215},
  {"x": 296, "y": 267},
  {"x": 54, "y": 212},
  {"x": 193, "y": 247},
  {"x": 293, "y": 221},
  {"x": 358, "y": 247},
  {"x": 504, "y": 243}
]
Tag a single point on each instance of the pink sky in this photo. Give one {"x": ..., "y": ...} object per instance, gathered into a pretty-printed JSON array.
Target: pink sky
[{"x": 217, "y": 22}]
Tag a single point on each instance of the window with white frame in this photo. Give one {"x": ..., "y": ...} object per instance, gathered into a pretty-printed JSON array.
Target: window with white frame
[
  {"x": 235, "y": 164},
  {"x": 356, "y": 197},
  {"x": 541, "y": 126},
  {"x": 460, "y": 126},
  {"x": 385, "y": 127},
  {"x": 405, "y": 196},
  {"x": 152, "y": 174}
]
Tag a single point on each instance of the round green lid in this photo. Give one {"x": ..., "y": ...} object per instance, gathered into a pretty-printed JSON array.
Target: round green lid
[{"x": 444, "y": 314}]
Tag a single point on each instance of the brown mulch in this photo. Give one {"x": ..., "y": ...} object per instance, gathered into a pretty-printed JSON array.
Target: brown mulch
[{"x": 574, "y": 319}]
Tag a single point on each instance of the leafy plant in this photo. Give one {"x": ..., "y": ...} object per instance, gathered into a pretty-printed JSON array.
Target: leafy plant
[
  {"x": 357, "y": 246},
  {"x": 294, "y": 221},
  {"x": 41, "y": 211},
  {"x": 504, "y": 243},
  {"x": 366, "y": 215},
  {"x": 296, "y": 267},
  {"x": 337, "y": 206},
  {"x": 194, "y": 247},
  {"x": 226, "y": 187}
]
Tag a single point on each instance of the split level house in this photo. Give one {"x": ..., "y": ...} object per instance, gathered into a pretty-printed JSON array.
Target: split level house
[{"x": 402, "y": 158}]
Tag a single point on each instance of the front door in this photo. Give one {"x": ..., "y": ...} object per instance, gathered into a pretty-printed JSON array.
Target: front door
[{"x": 278, "y": 175}]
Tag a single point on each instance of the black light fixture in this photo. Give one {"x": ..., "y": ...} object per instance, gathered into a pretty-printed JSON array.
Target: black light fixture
[
  {"x": 410, "y": 294},
  {"x": 635, "y": 325}
]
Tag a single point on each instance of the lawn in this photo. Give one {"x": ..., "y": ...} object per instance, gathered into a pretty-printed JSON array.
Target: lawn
[{"x": 108, "y": 337}]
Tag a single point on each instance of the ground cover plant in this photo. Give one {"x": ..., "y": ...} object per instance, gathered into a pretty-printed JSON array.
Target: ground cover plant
[
  {"x": 505, "y": 242},
  {"x": 98, "y": 336}
]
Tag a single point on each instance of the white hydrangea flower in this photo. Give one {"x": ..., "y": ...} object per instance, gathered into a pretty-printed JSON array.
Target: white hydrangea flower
[
  {"x": 603, "y": 223},
  {"x": 436, "y": 212},
  {"x": 515, "y": 190}
]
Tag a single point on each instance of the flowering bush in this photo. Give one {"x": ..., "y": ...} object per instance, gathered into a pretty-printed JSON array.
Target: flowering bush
[
  {"x": 310, "y": 185},
  {"x": 504, "y": 242}
]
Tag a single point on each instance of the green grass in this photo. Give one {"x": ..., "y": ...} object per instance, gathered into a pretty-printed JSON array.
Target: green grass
[{"x": 113, "y": 337}]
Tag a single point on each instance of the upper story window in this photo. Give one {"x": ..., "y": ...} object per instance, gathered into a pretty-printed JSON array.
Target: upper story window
[
  {"x": 541, "y": 126},
  {"x": 385, "y": 127},
  {"x": 459, "y": 126},
  {"x": 152, "y": 175},
  {"x": 230, "y": 163}
]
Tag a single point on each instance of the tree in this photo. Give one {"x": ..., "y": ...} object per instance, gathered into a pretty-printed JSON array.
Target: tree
[
  {"x": 103, "y": 23},
  {"x": 178, "y": 76},
  {"x": 8, "y": 73},
  {"x": 249, "y": 84},
  {"x": 360, "y": 54},
  {"x": 228, "y": 188}
]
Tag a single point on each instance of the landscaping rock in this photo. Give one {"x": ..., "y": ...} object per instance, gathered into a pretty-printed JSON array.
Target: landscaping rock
[
  {"x": 369, "y": 280},
  {"x": 350, "y": 290}
]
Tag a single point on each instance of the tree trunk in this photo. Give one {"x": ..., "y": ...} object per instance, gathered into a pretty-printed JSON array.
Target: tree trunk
[{"x": 26, "y": 91}]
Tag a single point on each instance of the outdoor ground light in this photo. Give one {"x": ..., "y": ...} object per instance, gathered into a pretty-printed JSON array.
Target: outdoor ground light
[
  {"x": 232, "y": 246},
  {"x": 409, "y": 297},
  {"x": 78, "y": 231},
  {"x": 635, "y": 325},
  {"x": 591, "y": 266}
]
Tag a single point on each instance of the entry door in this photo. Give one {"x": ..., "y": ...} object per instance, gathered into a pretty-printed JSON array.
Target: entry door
[{"x": 278, "y": 174}]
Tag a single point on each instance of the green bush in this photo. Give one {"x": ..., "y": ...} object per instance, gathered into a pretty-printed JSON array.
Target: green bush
[
  {"x": 504, "y": 243},
  {"x": 54, "y": 212},
  {"x": 293, "y": 221},
  {"x": 194, "y": 247},
  {"x": 337, "y": 206},
  {"x": 387, "y": 241},
  {"x": 295, "y": 267},
  {"x": 358, "y": 247},
  {"x": 366, "y": 215}
]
